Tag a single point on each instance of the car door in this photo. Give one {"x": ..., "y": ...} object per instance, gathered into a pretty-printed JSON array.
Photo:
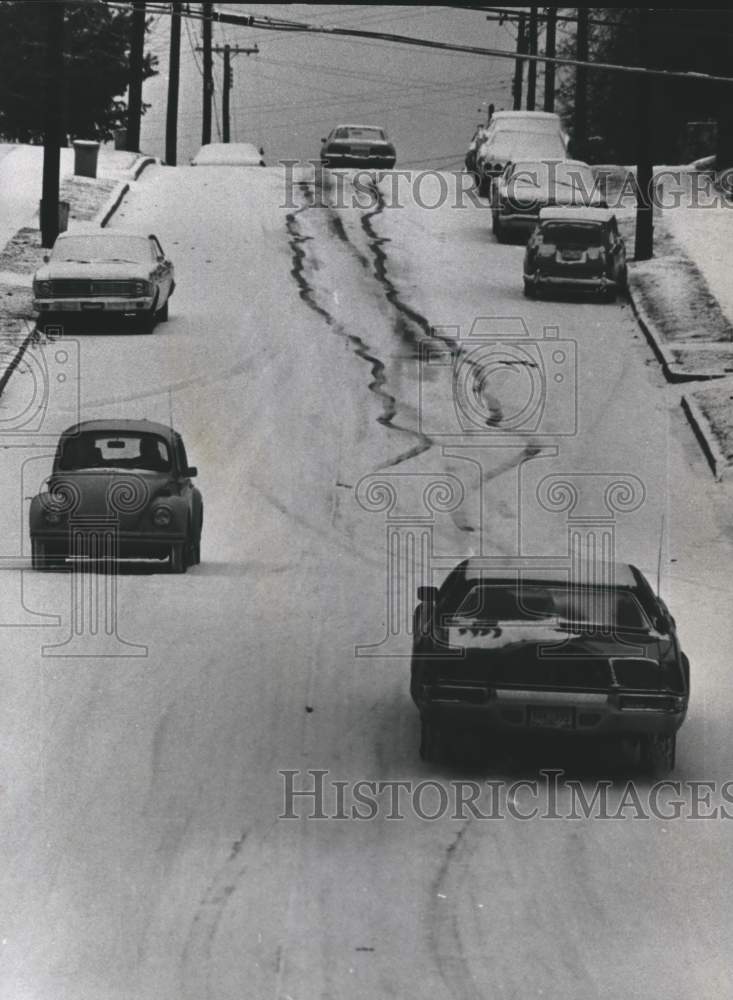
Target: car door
[{"x": 163, "y": 271}]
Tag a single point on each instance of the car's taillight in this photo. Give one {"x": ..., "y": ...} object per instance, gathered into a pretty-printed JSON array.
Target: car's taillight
[{"x": 650, "y": 703}]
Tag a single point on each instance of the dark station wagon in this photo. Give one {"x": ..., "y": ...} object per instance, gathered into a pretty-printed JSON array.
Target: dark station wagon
[
  {"x": 126, "y": 480},
  {"x": 508, "y": 651},
  {"x": 358, "y": 146}
]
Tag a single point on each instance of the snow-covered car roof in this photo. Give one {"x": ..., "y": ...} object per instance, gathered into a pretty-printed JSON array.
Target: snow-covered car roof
[
  {"x": 524, "y": 115},
  {"x": 576, "y": 214},
  {"x": 118, "y": 426},
  {"x": 228, "y": 154}
]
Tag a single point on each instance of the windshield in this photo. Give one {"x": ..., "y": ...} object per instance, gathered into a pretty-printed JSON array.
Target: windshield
[
  {"x": 108, "y": 450},
  {"x": 522, "y": 145},
  {"x": 574, "y": 234},
  {"x": 107, "y": 247},
  {"x": 574, "y": 606}
]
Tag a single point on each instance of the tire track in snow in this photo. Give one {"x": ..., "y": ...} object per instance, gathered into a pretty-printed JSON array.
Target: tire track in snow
[{"x": 298, "y": 241}]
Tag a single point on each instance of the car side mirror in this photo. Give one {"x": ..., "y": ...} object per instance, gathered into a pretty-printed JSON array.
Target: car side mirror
[
  {"x": 427, "y": 594},
  {"x": 46, "y": 258},
  {"x": 192, "y": 472}
]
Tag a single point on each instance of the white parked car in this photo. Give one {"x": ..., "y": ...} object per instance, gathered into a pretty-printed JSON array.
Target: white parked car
[
  {"x": 518, "y": 135},
  {"x": 229, "y": 154},
  {"x": 105, "y": 271},
  {"x": 526, "y": 186}
]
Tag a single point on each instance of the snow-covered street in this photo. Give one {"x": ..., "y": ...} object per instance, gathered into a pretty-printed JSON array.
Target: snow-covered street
[{"x": 146, "y": 856}]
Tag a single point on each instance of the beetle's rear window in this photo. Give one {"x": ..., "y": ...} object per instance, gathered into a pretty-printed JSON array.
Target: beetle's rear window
[
  {"x": 574, "y": 234},
  {"x": 115, "y": 451}
]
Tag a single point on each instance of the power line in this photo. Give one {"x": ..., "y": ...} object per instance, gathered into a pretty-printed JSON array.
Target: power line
[{"x": 270, "y": 24}]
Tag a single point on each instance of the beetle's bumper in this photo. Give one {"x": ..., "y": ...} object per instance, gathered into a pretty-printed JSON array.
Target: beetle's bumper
[{"x": 124, "y": 544}]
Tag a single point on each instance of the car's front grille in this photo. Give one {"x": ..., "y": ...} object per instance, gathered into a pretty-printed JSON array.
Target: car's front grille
[{"x": 73, "y": 287}]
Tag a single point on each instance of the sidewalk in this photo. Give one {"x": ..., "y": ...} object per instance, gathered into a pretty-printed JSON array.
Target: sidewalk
[
  {"x": 21, "y": 172},
  {"x": 683, "y": 300}
]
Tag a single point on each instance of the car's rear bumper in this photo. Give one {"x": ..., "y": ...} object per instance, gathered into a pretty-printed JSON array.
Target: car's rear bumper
[
  {"x": 359, "y": 162},
  {"x": 571, "y": 713},
  {"x": 92, "y": 305},
  {"x": 599, "y": 282}
]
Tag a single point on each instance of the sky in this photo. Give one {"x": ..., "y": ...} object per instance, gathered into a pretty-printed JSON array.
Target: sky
[{"x": 298, "y": 87}]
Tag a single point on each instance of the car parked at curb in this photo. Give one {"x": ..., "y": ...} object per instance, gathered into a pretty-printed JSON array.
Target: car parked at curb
[
  {"x": 518, "y": 135},
  {"x": 105, "y": 272},
  {"x": 531, "y": 651},
  {"x": 576, "y": 248},
  {"x": 131, "y": 476},
  {"x": 229, "y": 154},
  {"x": 527, "y": 186},
  {"x": 365, "y": 146}
]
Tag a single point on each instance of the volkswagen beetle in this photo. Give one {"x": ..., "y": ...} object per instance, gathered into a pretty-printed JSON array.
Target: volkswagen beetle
[{"x": 126, "y": 480}]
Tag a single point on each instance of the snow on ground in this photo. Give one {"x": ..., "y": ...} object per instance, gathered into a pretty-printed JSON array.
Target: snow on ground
[
  {"x": 142, "y": 796},
  {"x": 706, "y": 233}
]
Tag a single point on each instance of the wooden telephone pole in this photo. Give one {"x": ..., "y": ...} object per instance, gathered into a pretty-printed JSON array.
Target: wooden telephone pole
[
  {"x": 54, "y": 123},
  {"x": 174, "y": 64},
  {"x": 550, "y": 31},
  {"x": 228, "y": 51},
  {"x": 135, "y": 100}
]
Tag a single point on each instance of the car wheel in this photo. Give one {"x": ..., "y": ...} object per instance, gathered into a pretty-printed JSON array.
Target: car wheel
[
  {"x": 499, "y": 231},
  {"x": 658, "y": 753},
  {"x": 430, "y": 742},
  {"x": 609, "y": 295},
  {"x": 162, "y": 314},
  {"x": 178, "y": 562},
  {"x": 148, "y": 319},
  {"x": 38, "y": 554},
  {"x": 530, "y": 289}
]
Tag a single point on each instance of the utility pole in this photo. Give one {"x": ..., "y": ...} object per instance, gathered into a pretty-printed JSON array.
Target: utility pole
[
  {"x": 228, "y": 51},
  {"x": 135, "y": 98},
  {"x": 208, "y": 78},
  {"x": 532, "y": 67},
  {"x": 54, "y": 123},
  {"x": 644, "y": 245},
  {"x": 581, "y": 86},
  {"x": 174, "y": 66},
  {"x": 551, "y": 24},
  {"x": 519, "y": 63}
]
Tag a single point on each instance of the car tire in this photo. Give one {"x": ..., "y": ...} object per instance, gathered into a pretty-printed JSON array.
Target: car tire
[
  {"x": 530, "y": 289},
  {"x": 431, "y": 742},
  {"x": 148, "y": 319},
  {"x": 499, "y": 231},
  {"x": 178, "y": 563},
  {"x": 42, "y": 558},
  {"x": 162, "y": 315},
  {"x": 657, "y": 753},
  {"x": 609, "y": 295}
]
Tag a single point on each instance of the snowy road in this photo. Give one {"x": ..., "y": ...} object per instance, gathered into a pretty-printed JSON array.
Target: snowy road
[{"x": 144, "y": 855}]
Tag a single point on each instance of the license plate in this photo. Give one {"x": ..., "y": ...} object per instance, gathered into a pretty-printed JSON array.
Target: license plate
[
  {"x": 572, "y": 255},
  {"x": 92, "y": 305},
  {"x": 551, "y": 718}
]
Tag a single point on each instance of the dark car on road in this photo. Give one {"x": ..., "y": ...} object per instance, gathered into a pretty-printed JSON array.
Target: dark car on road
[
  {"x": 358, "y": 146},
  {"x": 128, "y": 477},
  {"x": 524, "y": 652},
  {"x": 576, "y": 248}
]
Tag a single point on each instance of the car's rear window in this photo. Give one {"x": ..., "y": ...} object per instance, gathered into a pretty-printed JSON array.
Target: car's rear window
[
  {"x": 574, "y": 234},
  {"x": 582, "y": 606},
  {"x": 359, "y": 133},
  {"x": 107, "y": 450}
]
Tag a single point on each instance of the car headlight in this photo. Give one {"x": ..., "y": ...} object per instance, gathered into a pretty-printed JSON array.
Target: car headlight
[
  {"x": 162, "y": 517},
  {"x": 142, "y": 288},
  {"x": 51, "y": 516},
  {"x": 43, "y": 288}
]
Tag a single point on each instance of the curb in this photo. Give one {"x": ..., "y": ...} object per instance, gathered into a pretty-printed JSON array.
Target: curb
[
  {"x": 704, "y": 434},
  {"x": 115, "y": 199},
  {"x": 656, "y": 341}
]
